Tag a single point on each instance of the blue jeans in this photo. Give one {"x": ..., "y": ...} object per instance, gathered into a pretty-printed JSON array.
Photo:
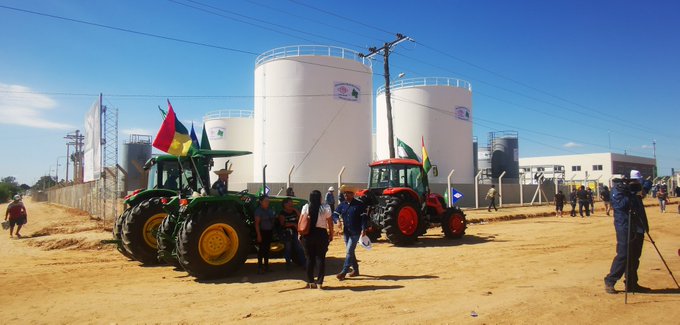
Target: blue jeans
[
  {"x": 351, "y": 242},
  {"x": 293, "y": 246}
]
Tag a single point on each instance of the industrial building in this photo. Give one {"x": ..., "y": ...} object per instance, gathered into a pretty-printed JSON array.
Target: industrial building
[
  {"x": 437, "y": 111},
  {"x": 595, "y": 167}
]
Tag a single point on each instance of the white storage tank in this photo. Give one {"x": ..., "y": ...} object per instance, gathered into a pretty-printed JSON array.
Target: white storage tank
[
  {"x": 312, "y": 110},
  {"x": 232, "y": 130},
  {"x": 438, "y": 110}
]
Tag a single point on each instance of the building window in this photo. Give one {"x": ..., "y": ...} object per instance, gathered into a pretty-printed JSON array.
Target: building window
[
  {"x": 597, "y": 167},
  {"x": 575, "y": 168},
  {"x": 541, "y": 169}
]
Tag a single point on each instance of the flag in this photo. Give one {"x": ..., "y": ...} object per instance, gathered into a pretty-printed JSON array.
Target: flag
[
  {"x": 172, "y": 137},
  {"x": 404, "y": 151},
  {"x": 194, "y": 138},
  {"x": 163, "y": 113},
  {"x": 426, "y": 159},
  {"x": 205, "y": 143}
]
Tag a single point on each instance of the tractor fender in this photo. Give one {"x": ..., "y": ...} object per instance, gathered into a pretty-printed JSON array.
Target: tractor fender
[
  {"x": 394, "y": 191},
  {"x": 147, "y": 194},
  {"x": 434, "y": 203}
]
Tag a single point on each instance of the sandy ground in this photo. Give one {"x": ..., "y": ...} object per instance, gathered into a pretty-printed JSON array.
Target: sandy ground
[{"x": 533, "y": 271}]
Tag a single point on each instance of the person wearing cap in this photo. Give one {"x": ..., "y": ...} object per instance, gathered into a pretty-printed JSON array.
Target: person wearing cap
[
  {"x": 630, "y": 223},
  {"x": 355, "y": 221},
  {"x": 330, "y": 199},
  {"x": 16, "y": 211},
  {"x": 221, "y": 185}
]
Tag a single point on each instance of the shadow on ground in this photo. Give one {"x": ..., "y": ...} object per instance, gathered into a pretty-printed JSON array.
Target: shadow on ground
[{"x": 441, "y": 241}]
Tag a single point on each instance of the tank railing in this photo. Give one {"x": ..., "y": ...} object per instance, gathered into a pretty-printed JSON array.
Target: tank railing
[
  {"x": 228, "y": 113},
  {"x": 427, "y": 81},
  {"x": 310, "y": 50}
]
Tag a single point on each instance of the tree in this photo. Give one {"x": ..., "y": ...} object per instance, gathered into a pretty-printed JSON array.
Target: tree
[
  {"x": 8, "y": 187},
  {"x": 5, "y": 192},
  {"x": 44, "y": 183}
]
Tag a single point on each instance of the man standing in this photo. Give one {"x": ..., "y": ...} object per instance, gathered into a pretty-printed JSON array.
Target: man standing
[
  {"x": 355, "y": 221},
  {"x": 221, "y": 185},
  {"x": 572, "y": 201},
  {"x": 330, "y": 198},
  {"x": 559, "y": 204},
  {"x": 491, "y": 196},
  {"x": 591, "y": 199},
  {"x": 605, "y": 195},
  {"x": 582, "y": 196},
  {"x": 630, "y": 223}
]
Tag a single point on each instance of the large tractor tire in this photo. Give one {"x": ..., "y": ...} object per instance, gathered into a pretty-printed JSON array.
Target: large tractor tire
[
  {"x": 454, "y": 223},
  {"x": 402, "y": 221},
  {"x": 140, "y": 228},
  {"x": 117, "y": 233},
  {"x": 213, "y": 243},
  {"x": 166, "y": 239}
]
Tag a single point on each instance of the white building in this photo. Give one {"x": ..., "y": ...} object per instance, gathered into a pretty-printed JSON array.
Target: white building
[{"x": 598, "y": 167}]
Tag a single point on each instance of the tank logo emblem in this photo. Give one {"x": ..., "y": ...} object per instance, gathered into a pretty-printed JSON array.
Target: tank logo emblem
[
  {"x": 462, "y": 113},
  {"x": 346, "y": 91},
  {"x": 215, "y": 133}
]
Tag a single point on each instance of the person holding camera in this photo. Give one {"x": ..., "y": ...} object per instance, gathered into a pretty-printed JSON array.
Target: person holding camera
[{"x": 630, "y": 223}]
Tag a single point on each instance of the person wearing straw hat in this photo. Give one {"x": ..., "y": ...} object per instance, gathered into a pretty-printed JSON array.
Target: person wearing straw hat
[
  {"x": 221, "y": 185},
  {"x": 16, "y": 211},
  {"x": 630, "y": 223},
  {"x": 355, "y": 221}
]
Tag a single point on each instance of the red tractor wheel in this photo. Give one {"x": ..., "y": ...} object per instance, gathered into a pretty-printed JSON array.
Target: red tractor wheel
[
  {"x": 402, "y": 221},
  {"x": 454, "y": 223}
]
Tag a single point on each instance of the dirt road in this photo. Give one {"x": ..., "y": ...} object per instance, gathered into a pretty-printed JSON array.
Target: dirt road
[{"x": 533, "y": 271}]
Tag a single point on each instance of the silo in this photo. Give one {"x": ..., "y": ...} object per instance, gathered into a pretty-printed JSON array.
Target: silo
[
  {"x": 136, "y": 151},
  {"x": 484, "y": 161},
  {"x": 313, "y": 111},
  {"x": 438, "y": 110},
  {"x": 505, "y": 154},
  {"x": 232, "y": 130}
]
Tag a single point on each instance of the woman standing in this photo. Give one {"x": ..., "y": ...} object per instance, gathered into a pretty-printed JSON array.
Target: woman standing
[
  {"x": 16, "y": 211},
  {"x": 317, "y": 240},
  {"x": 264, "y": 228}
]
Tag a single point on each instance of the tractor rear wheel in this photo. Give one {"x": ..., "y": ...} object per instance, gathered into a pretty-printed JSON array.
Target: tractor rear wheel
[
  {"x": 140, "y": 228},
  {"x": 213, "y": 243},
  {"x": 117, "y": 233},
  {"x": 454, "y": 223},
  {"x": 166, "y": 239},
  {"x": 402, "y": 221}
]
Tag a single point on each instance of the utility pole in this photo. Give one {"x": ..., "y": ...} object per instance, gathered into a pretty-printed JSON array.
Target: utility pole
[
  {"x": 76, "y": 140},
  {"x": 654, "y": 151},
  {"x": 385, "y": 51}
]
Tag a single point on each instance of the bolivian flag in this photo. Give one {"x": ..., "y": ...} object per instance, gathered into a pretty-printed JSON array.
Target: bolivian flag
[
  {"x": 426, "y": 159},
  {"x": 172, "y": 137}
]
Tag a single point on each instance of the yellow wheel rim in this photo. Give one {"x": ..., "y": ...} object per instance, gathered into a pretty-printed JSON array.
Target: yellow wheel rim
[
  {"x": 276, "y": 247},
  {"x": 218, "y": 244},
  {"x": 151, "y": 228}
]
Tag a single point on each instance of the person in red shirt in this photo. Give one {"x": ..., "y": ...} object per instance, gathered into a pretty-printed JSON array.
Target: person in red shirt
[{"x": 17, "y": 215}]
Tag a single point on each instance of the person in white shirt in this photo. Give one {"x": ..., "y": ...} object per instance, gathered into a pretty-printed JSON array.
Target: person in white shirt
[{"x": 317, "y": 240}]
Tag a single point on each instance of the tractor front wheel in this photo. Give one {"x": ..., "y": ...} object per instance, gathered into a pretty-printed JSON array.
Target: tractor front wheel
[
  {"x": 454, "y": 223},
  {"x": 213, "y": 243},
  {"x": 139, "y": 230},
  {"x": 402, "y": 221},
  {"x": 166, "y": 239}
]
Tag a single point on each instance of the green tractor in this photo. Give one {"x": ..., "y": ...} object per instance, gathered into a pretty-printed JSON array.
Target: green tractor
[
  {"x": 215, "y": 234},
  {"x": 400, "y": 203}
]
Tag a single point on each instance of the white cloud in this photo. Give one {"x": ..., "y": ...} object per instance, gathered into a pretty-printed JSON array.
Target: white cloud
[
  {"x": 572, "y": 145},
  {"x": 18, "y": 106},
  {"x": 140, "y": 131},
  {"x": 646, "y": 146}
]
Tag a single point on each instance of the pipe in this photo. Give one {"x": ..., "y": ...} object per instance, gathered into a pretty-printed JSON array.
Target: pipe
[
  {"x": 342, "y": 171},
  {"x": 477, "y": 189},
  {"x": 290, "y": 172},
  {"x": 448, "y": 193},
  {"x": 597, "y": 188},
  {"x": 521, "y": 189},
  {"x": 500, "y": 189}
]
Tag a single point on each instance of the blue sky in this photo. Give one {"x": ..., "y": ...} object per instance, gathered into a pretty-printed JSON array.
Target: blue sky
[{"x": 565, "y": 74}]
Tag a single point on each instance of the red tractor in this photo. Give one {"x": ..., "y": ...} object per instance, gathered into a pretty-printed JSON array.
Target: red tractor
[{"x": 400, "y": 203}]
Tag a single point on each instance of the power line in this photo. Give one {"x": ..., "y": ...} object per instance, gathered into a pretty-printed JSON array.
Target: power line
[
  {"x": 126, "y": 30},
  {"x": 342, "y": 17}
]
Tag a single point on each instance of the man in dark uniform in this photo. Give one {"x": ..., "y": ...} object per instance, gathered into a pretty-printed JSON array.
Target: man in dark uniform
[
  {"x": 582, "y": 196},
  {"x": 627, "y": 205},
  {"x": 355, "y": 222}
]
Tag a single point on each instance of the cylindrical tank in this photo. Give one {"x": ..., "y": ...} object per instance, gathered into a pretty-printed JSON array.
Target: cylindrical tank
[
  {"x": 232, "y": 130},
  {"x": 438, "y": 110},
  {"x": 484, "y": 161},
  {"x": 136, "y": 151},
  {"x": 505, "y": 154},
  {"x": 313, "y": 111}
]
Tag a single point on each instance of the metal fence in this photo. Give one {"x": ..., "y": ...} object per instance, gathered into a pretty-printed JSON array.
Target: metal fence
[{"x": 89, "y": 197}]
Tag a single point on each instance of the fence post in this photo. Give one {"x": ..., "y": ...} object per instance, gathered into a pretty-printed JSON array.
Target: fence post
[
  {"x": 521, "y": 189},
  {"x": 477, "y": 189},
  {"x": 448, "y": 194},
  {"x": 500, "y": 189}
]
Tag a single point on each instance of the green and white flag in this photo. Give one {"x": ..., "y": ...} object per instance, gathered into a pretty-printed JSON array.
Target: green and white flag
[{"x": 404, "y": 151}]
